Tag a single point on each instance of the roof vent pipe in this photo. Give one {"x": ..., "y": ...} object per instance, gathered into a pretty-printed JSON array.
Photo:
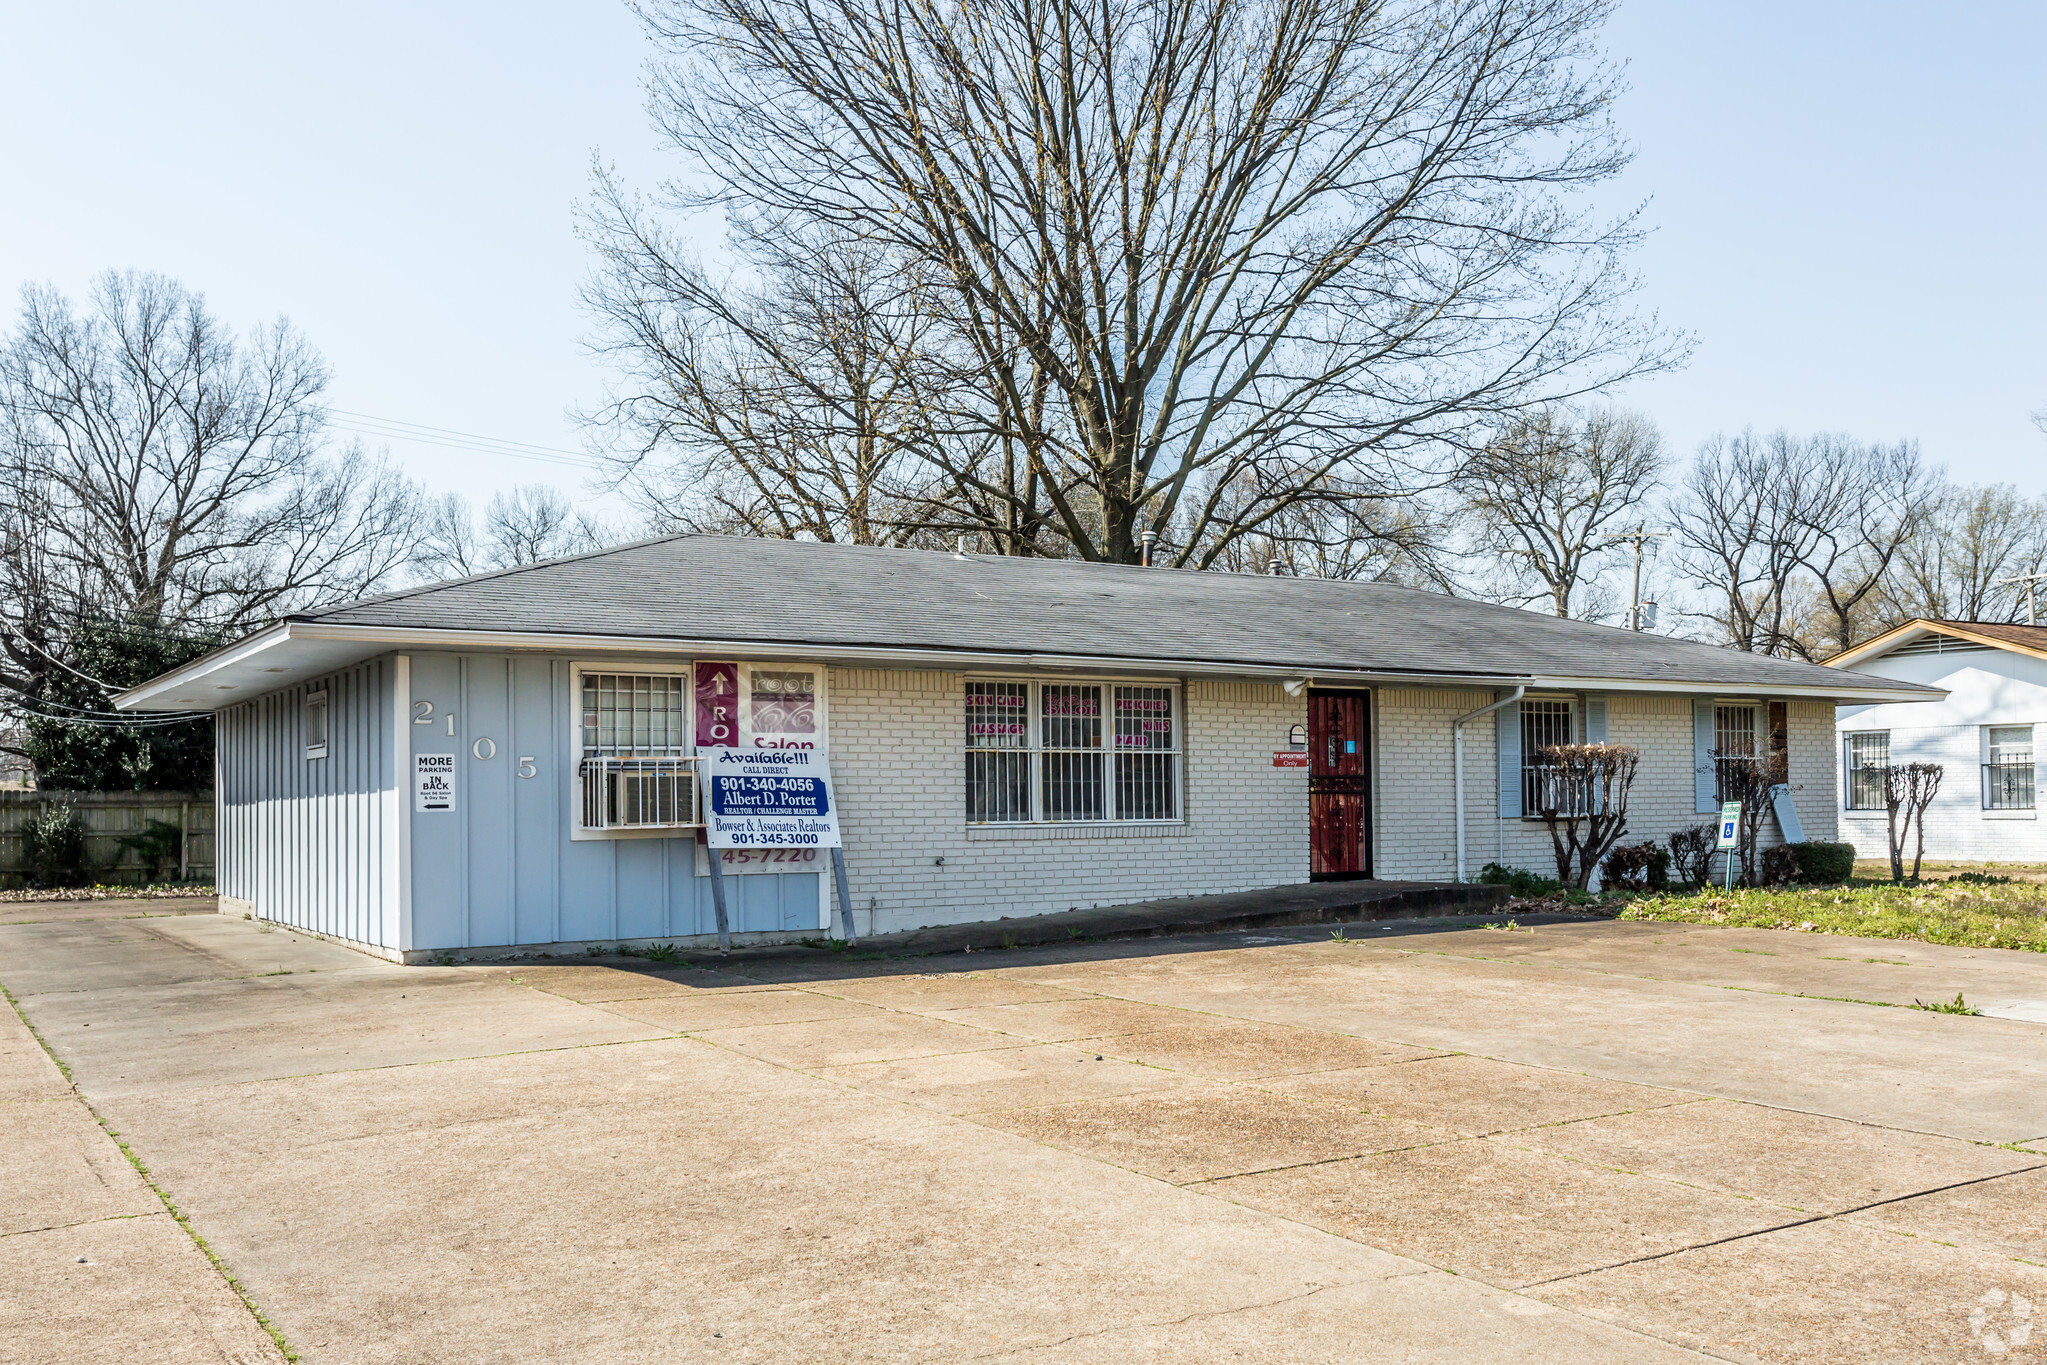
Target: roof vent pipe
[{"x": 1148, "y": 539}]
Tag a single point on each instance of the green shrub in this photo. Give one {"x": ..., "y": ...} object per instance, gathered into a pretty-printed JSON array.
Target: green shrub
[
  {"x": 1637, "y": 867},
  {"x": 1980, "y": 879},
  {"x": 1824, "y": 864},
  {"x": 157, "y": 846},
  {"x": 54, "y": 846},
  {"x": 1519, "y": 881}
]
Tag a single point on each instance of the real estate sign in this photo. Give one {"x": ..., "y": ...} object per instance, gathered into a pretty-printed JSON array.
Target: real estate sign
[{"x": 771, "y": 798}]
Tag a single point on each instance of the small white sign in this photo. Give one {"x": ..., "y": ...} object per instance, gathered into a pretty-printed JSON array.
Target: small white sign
[
  {"x": 433, "y": 781},
  {"x": 1730, "y": 824},
  {"x": 771, "y": 798}
]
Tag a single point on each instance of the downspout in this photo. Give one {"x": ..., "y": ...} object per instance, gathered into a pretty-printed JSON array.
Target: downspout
[{"x": 1457, "y": 744}]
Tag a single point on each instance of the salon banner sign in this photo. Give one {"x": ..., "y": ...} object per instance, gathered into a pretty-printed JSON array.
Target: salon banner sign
[{"x": 771, "y": 798}]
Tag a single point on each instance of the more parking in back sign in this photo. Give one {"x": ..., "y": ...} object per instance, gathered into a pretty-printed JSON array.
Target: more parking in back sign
[
  {"x": 433, "y": 781},
  {"x": 771, "y": 798}
]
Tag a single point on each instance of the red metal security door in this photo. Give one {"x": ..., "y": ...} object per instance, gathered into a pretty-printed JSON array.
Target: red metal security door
[{"x": 1339, "y": 793}]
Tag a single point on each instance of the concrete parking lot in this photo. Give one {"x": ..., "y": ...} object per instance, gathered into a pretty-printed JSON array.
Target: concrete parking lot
[{"x": 1427, "y": 1141}]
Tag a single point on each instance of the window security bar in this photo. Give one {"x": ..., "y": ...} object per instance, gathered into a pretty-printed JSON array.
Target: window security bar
[
  {"x": 639, "y": 793},
  {"x": 1545, "y": 786},
  {"x": 1866, "y": 788},
  {"x": 2008, "y": 786}
]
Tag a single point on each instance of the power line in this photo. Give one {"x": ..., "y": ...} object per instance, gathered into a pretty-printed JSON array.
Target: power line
[
  {"x": 154, "y": 722},
  {"x": 388, "y": 428}
]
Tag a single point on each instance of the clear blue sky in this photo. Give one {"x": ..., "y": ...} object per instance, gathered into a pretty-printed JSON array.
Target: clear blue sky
[{"x": 1849, "y": 202}]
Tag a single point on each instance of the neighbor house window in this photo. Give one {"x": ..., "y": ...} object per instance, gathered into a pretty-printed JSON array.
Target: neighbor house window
[
  {"x": 2008, "y": 776},
  {"x": 1066, "y": 752},
  {"x": 1734, "y": 738},
  {"x": 1869, "y": 753},
  {"x": 316, "y": 724},
  {"x": 636, "y": 771},
  {"x": 1545, "y": 723}
]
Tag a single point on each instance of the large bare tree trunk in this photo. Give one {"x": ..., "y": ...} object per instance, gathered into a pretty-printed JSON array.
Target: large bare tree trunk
[{"x": 1194, "y": 263}]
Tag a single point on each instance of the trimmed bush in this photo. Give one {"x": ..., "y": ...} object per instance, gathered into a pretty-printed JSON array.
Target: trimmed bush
[
  {"x": 1637, "y": 867},
  {"x": 1519, "y": 881},
  {"x": 1824, "y": 864}
]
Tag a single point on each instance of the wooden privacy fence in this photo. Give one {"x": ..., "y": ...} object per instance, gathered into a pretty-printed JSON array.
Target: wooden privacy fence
[{"x": 108, "y": 818}]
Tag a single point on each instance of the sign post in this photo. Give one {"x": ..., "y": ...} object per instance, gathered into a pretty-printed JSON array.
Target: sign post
[
  {"x": 1730, "y": 835},
  {"x": 718, "y": 904}
]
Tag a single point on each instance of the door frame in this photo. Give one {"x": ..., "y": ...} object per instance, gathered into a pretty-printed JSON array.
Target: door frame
[{"x": 1368, "y": 817}]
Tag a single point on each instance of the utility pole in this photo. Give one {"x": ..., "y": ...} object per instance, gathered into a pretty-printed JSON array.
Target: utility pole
[
  {"x": 1638, "y": 538},
  {"x": 2031, "y": 580}
]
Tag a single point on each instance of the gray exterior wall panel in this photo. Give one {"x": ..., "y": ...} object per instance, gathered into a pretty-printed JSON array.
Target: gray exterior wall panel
[{"x": 305, "y": 841}]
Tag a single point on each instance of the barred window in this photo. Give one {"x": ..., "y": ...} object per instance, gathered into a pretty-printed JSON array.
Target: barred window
[
  {"x": 634, "y": 713},
  {"x": 998, "y": 766},
  {"x": 1545, "y": 723},
  {"x": 1071, "y": 752},
  {"x": 1734, "y": 738},
  {"x": 636, "y": 772},
  {"x": 2008, "y": 776},
  {"x": 1869, "y": 753}
]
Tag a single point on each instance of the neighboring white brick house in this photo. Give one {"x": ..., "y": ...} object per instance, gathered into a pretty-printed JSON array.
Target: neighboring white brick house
[
  {"x": 1986, "y": 734},
  {"x": 517, "y": 759}
]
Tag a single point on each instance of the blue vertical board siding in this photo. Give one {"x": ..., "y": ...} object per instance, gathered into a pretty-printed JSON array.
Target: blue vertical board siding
[
  {"x": 439, "y": 881},
  {"x": 303, "y": 839},
  {"x": 501, "y": 868},
  {"x": 491, "y": 827},
  {"x": 536, "y": 808}
]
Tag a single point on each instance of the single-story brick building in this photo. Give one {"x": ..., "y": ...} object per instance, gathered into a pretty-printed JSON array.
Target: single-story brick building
[{"x": 514, "y": 760}]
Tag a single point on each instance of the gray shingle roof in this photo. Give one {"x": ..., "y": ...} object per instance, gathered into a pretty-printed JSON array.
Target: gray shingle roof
[{"x": 799, "y": 593}]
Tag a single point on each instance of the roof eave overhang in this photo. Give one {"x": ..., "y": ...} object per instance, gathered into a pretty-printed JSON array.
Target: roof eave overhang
[
  {"x": 1918, "y": 629},
  {"x": 174, "y": 691}
]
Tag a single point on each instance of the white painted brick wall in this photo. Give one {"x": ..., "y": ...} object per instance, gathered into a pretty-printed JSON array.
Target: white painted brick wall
[
  {"x": 1417, "y": 778},
  {"x": 1957, "y": 826},
  {"x": 900, "y": 773},
  {"x": 899, "y": 769}
]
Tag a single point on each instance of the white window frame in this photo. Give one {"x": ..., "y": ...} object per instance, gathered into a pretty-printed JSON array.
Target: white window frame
[
  {"x": 1849, "y": 767},
  {"x": 316, "y": 701},
  {"x": 1990, "y": 758},
  {"x": 572, "y": 757},
  {"x": 1034, "y": 749}
]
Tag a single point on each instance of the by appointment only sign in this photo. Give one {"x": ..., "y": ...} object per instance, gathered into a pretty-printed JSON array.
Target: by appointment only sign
[{"x": 771, "y": 798}]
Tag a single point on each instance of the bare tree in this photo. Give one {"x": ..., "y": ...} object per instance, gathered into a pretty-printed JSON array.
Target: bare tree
[
  {"x": 1968, "y": 540},
  {"x": 534, "y": 522},
  {"x": 1909, "y": 788},
  {"x": 1202, "y": 259},
  {"x": 1547, "y": 496},
  {"x": 1581, "y": 793},
  {"x": 1751, "y": 780},
  {"x": 803, "y": 396},
  {"x": 164, "y": 473},
  {"x": 1872, "y": 503},
  {"x": 1795, "y": 537},
  {"x": 1740, "y": 534}
]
